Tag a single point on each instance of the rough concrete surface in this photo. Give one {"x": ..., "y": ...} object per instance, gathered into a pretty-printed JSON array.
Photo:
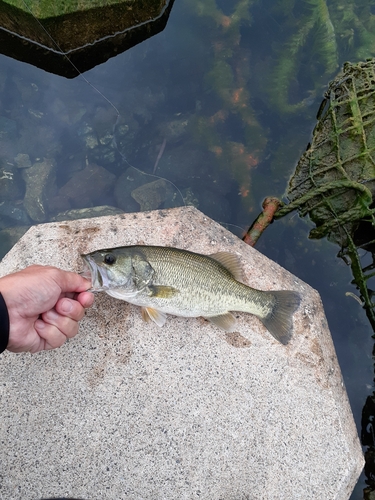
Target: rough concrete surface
[{"x": 127, "y": 410}]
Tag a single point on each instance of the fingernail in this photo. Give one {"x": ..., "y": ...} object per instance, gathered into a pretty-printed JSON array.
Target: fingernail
[
  {"x": 39, "y": 324},
  {"x": 66, "y": 306},
  {"x": 52, "y": 315}
]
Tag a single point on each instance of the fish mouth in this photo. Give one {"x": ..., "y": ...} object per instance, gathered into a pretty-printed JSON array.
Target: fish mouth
[{"x": 97, "y": 276}]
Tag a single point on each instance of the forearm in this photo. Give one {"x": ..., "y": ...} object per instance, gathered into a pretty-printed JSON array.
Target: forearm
[{"x": 4, "y": 324}]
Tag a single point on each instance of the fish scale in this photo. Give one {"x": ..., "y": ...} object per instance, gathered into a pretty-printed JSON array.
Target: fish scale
[{"x": 203, "y": 276}]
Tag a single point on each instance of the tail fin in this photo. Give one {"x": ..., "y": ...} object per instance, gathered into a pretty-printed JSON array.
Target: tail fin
[{"x": 279, "y": 321}]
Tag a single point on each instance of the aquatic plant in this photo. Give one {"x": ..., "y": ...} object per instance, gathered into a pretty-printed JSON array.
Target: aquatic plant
[
  {"x": 323, "y": 35},
  {"x": 228, "y": 79}
]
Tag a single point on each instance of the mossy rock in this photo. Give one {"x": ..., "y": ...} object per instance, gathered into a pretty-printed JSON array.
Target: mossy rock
[
  {"x": 43, "y": 33},
  {"x": 42, "y": 9},
  {"x": 334, "y": 181}
]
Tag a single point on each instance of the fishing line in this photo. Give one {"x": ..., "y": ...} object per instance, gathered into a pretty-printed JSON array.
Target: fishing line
[
  {"x": 224, "y": 224},
  {"x": 118, "y": 114}
]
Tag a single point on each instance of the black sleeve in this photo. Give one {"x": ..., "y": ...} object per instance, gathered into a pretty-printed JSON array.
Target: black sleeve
[{"x": 4, "y": 324}]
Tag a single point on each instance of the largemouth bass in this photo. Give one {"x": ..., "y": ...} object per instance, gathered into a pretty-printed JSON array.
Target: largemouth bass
[{"x": 165, "y": 280}]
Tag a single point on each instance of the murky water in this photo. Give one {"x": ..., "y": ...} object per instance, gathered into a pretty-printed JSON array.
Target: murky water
[{"x": 208, "y": 113}]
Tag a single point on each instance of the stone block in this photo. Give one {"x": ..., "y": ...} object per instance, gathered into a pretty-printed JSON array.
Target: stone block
[{"x": 130, "y": 410}]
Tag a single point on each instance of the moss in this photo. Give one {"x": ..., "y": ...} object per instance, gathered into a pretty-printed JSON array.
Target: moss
[
  {"x": 45, "y": 8},
  {"x": 323, "y": 34},
  {"x": 228, "y": 78}
]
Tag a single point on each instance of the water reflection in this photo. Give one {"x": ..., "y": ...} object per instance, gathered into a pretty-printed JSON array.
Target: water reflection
[{"x": 67, "y": 38}]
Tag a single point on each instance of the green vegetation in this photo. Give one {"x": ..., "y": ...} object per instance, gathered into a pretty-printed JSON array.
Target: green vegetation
[
  {"x": 228, "y": 77},
  {"x": 334, "y": 180},
  {"x": 323, "y": 34},
  {"x": 45, "y": 8}
]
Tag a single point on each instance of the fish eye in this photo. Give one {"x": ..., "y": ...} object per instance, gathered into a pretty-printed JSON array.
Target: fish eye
[{"x": 109, "y": 259}]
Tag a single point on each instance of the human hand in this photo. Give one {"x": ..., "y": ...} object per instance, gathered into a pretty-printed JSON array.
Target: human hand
[{"x": 44, "y": 305}]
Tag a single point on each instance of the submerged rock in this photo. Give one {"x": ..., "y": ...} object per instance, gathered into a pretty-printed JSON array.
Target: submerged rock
[
  {"x": 9, "y": 237},
  {"x": 8, "y": 127},
  {"x": 152, "y": 195},
  {"x": 183, "y": 164},
  {"x": 39, "y": 138},
  {"x": 22, "y": 161},
  {"x": 40, "y": 185},
  {"x": 10, "y": 212},
  {"x": 88, "y": 186},
  {"x": 10, "y": 183},
  {"x": 87, "y": 213},
  {"x": 130, "y": 180},
  {"x": 174, "y": 130},
  {"x": 189, "y": 198},
  {"x": 134, "y": 192}
]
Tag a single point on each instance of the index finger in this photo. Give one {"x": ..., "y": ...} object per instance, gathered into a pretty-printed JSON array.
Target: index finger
[{"x": 86, "y": 299}]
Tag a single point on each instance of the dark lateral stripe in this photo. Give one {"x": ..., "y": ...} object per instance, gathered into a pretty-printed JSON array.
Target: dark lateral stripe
[{"x": 4, "y": 324}]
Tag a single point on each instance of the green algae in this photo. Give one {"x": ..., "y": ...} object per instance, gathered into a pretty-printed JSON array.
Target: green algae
[
  {"x": 45, "y": 8},
  {"x": 320, "y": 36},
  {"x": 228, "y": 78}
]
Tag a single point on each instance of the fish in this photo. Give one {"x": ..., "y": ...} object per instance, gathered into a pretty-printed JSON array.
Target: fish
[{"x": 167, "y": 280}]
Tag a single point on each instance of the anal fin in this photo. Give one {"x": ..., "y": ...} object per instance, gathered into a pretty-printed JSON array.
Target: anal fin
[{"x": 225, "y": 321}]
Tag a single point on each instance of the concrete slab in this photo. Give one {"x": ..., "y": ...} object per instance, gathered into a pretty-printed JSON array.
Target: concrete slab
[{"x": 128, "y": 410}]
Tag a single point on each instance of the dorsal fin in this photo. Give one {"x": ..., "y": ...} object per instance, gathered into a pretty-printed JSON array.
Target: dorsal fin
[{"x": 231, "y": 262}]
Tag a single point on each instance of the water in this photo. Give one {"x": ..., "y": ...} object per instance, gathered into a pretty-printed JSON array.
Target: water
[{"x": 207, "y": 98}]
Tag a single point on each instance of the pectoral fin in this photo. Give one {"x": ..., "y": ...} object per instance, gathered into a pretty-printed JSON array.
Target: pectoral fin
[
  {"x": 150, "y": 314},
  {"x": 225, "y": 321},
  {"x": 162, "y": 292}
]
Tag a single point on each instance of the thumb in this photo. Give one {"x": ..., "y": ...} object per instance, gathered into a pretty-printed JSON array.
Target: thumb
[{"x": 71, "y": 282}]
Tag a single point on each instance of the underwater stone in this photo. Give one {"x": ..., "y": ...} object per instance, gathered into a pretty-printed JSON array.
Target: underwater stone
[
  {"x": 174, "y": 130},
  {"x": 88, "y": 135},
  {"x": 88, "y": 185},
  {"x": 9, "y": 237},
  {"x": 22, "y": 161},
  {"x": 91, "y": 141},
  {"x": 10, "y": 183},
  {"x": 38, "y": 139},
  {"x": 178, "y": 198},
  {"x": 106, "y": 139},
  {"x": 152, "y": 195},
  {"x": 40, "y": 185},
  {"x": 183, "y": 164},
  {"x": 130, "y": 180},
  {"x": 9, "y": 211},
  {"x": 180, "y": 412},
  {"x": 87, "y": 213},
  {"x": 69, "y": 113},
  {"x": 8, "y": 127},
  {"x": 105, "y": 154}
]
